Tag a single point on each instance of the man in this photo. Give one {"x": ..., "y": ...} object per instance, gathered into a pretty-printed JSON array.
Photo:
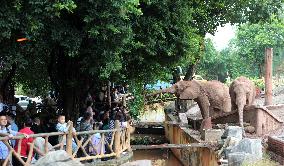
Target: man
[
  {"x": 37, "y": 127},
  {"x": 5, "y": 132},
  {"x": 13, "y": 126}
]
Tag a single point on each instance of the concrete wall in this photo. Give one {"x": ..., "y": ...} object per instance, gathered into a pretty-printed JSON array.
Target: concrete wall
[
  {"x": 259, "y": 117},
  {"x": 188, "y": 156}
]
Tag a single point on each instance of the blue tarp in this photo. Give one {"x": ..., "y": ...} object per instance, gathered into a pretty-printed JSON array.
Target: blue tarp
[{"x": 158, "y": 85}]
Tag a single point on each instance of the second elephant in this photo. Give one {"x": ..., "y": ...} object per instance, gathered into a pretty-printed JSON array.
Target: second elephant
[{"x": 242, "y": 91}]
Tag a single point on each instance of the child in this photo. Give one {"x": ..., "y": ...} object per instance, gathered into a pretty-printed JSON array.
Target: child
[{"x": 62, "y": 127}]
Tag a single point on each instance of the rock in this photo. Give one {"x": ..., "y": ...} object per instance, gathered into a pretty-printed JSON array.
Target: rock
[
  {"x": 251, "y": 146},
  {"x": 138, "y": 163},
  {"x": 238, "y": 158},
  {"x": 233, "y": 131},
  {"x": 57, "y": 158},
  {"x": 249, "y": 129},
  {"x": 233, "y": 141},
  {"x": 183, "y": 118},
  {"x": 211, "y": 135},
  {"x": 194, "y": 113}
]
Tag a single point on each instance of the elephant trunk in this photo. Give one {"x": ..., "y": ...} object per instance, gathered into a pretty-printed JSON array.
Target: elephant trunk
[{"x": 166, "y": 90}]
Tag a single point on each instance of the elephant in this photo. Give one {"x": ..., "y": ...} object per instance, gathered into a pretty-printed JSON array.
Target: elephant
[
  {"x": 242, "y": 92},
  {"x": 211, "y": 96}
]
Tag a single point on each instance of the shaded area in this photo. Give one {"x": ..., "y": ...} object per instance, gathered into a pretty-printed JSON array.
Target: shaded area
[{"x": 158, "y": 157}]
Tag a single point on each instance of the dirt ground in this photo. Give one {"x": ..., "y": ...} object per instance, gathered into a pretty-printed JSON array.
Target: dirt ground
[{"x": 278, "y": 97}]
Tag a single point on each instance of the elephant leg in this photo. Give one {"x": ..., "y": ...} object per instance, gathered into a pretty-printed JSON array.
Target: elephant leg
[
  {"x": 241, "y": 120},
  {"x": 241, "y": 101},
  {"x": 204, "y": 105}
]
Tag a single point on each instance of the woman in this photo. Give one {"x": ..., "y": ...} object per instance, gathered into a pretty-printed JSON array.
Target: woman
[
  {"x": 85, "y": 125},
  {"x": 90, "y": 110}
]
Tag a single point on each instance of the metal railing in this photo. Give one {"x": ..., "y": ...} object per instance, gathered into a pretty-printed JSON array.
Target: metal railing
[{"x": 118, "y": 141}]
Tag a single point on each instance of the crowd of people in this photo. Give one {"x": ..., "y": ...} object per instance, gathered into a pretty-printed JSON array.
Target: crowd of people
[{"x": 90, "y": 118}]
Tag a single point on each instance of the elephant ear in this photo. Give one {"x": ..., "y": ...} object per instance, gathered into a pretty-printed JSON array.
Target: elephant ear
[{"x": 181, "y": 86}]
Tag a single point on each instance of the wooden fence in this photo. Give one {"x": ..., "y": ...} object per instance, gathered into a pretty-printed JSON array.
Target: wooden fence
[{"x": 116, "y": 140}]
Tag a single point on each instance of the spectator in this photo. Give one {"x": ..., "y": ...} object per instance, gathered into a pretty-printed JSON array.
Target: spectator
[
  {"x": 96, "y": 139},
  {"x": 51, "y": 127},
  {"x": 90, "y": 110},
  {"x": 85, "y": 124},
  {"x": 37, "y": 127},
  {"x": 25, "y": 147},
  {"x": 114, "y": 95},
  {"x": 4, "y": 131},
  {"x": 62, "y": 127},
  {"x": 13, "y": 126},
  {"x": 105, "y": 120}
]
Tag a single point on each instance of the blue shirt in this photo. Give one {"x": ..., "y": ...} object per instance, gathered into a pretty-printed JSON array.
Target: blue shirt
[
  {"x": 4, "y": 151},
  {"x": 13, "y": 127}
]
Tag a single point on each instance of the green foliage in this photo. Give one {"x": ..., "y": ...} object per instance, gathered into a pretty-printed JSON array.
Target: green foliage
[
  {"x": 245, "y": 54},
  {"x": 212, "y": 65},
  {"x": 136, "y": 105},
  {"x": 75, "y": 44},
  {"x": 259, "y": 83},
  {"x": 252, "y": 39}
]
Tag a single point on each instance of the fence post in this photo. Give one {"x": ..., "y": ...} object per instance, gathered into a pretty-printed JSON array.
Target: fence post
[
  {"x": 117, "y": 134},
  {"x": 128, "y": 137},
  {"x": 69, "y": 138}
]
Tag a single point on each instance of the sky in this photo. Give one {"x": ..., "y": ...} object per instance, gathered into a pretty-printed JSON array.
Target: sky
[{"x": 222, "y": 36}]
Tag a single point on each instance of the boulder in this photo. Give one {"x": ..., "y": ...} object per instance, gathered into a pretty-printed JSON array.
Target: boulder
[
  {"x": 250, "y": 129},
  {"x": 211, "y": 135},
  {"x": 183, "y": 118},
  {"x": 251, "y": 146},
  {"x": 57, "y": 158},
  {"x": 233, "y": 131}
]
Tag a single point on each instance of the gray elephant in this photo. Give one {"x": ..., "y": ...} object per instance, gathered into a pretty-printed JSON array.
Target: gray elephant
[
  {"x": 211, "y": 96},
  {"x": 242, "y": 92}
]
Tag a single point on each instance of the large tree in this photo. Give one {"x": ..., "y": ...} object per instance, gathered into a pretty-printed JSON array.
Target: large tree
[
  {"x": 75, "y": 44},
  {"x": 252, "y": 39}
]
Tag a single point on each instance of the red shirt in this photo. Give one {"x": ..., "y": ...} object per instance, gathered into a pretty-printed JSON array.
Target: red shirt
[{"x": 25, "y": 147}]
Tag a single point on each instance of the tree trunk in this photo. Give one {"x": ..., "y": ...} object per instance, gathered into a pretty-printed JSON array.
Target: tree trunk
[
  {"x": 189, "y": 72},
  {"x": 192, "y": 67},
  {"x": 67, "y": 79},
  {"x": 7, "y": 85}
]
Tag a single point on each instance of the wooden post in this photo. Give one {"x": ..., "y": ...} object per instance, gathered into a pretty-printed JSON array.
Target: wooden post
[
  {"x": 117, "y": 134},
  {"x": 69, "y": 138},
  {"x": 268, "y": 76},
  {"x": 129, "y": 149}
]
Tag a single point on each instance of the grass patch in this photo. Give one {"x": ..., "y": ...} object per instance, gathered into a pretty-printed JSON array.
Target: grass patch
[{"x": 266, "y": 161}]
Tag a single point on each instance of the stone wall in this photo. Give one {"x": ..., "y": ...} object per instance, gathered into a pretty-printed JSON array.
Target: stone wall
[{"x": 276, "y": 145}]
